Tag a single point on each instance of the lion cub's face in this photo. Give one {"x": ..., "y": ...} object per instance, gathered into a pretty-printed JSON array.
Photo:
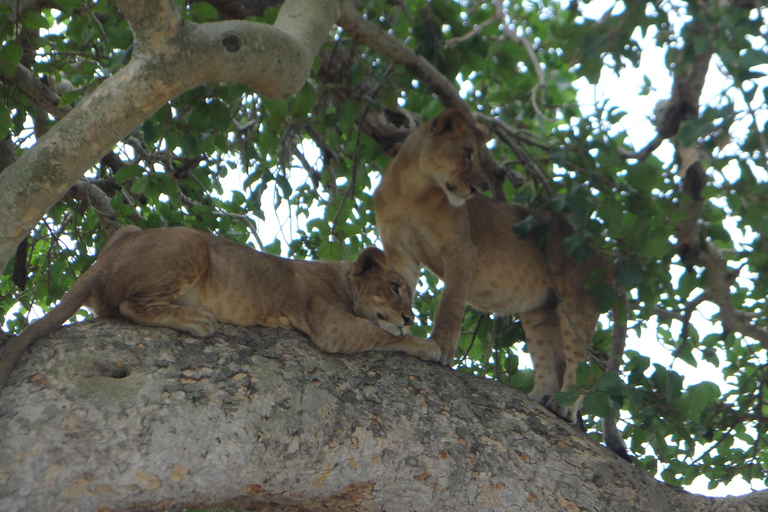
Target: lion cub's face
[
  {"x": 380, "y": 294},
  {"x": 452, "y": 160}
]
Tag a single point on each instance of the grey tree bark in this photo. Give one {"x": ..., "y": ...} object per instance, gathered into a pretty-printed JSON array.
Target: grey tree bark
[{"x": 109, "y": 415}]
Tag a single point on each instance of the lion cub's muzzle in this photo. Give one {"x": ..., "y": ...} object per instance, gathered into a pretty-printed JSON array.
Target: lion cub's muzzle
[{"x": 393, "y": 325}]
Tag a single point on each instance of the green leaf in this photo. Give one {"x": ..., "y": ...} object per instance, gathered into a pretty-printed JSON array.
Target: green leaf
[
  {"x": 5, "y": 120},
  {"x": 301, "y": 104},
  {"x": 140, "y": 185},
  {"x": 202, "y": 12},
  {"x": 596, "y": 404},
  {"x": 35, "y": 20},
  {"x": 586, "y": 375},
  {"x": 692, "y": 130},
  {"x": 525, "y": 226},
  {"x": 700, "y": 397},
  {"x": 348, "y": 113},
  {"x": 68, "y": 97},
  {"x": 568, "y": 397},
  {"x": 10, "y": 56},
  {"x": 628, "y": 274},
  {"x": 129, "y": 171}
]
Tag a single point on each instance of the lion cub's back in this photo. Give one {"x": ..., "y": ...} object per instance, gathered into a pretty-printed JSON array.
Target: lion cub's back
[{"x": 247, "y": 287}]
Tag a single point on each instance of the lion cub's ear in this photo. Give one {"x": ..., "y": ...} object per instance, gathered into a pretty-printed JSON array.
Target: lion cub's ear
[
  {"x": 370, "y": 259},
  {"x": 452, "y": 122}
]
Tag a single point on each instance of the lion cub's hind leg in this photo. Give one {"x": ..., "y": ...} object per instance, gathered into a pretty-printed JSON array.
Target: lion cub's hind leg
[
  {"x": 159, "y": 287},
  {"x": 158, "y": 312},
  {"x": 544, "y": 343},
  {"x": 577, "y": 325}
]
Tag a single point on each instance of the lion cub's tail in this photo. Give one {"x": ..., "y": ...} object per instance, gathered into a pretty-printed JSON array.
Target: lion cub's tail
[{"x": 72, "y": 301}]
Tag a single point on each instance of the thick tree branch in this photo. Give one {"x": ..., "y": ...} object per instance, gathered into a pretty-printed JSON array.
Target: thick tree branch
[
  {"x": 109, "y": 415},
  {"x": 274, "y": 60}
]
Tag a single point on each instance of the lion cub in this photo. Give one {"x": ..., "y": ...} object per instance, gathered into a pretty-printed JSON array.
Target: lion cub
[
  {"x": 189, "y": 280},
  {"x": 428, "y": 213}
]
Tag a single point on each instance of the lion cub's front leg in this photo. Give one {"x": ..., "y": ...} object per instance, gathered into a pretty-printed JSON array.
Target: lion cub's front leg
[
  {"x": 336, "y": 331},
  {"x": 450, "y": 314}
]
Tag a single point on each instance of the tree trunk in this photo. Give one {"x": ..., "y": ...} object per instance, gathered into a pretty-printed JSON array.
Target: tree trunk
[{"x": 109, "y": 415}]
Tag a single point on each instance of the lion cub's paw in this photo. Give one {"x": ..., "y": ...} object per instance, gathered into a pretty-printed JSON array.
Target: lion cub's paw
[
  {"x": 199, "y": 322},
  {"x": 431, "y": 352},
  {"x": 446, "y": 359},
  {"x": 571, "y": 413}
]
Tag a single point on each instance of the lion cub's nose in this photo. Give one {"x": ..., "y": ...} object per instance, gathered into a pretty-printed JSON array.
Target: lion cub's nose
[{"x": 407, "y": 320}]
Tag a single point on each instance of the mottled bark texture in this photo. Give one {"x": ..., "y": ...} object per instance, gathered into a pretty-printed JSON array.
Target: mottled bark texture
[
  {"x": 109, "y": 415},
  {"x": 169, "y": 57}
]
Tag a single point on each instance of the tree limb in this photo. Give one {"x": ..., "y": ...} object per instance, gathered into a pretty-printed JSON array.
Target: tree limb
[
  {"x": 398, "y": 52},
  {"x": 43, "y": 96},
  {"x": 110, "y": 415},
  {"x": 275, "y": 60}
]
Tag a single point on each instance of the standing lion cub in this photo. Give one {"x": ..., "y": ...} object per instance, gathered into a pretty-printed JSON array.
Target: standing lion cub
[
  {"x": 428, "y": 213},
  {"x": 189, "y": 280}
]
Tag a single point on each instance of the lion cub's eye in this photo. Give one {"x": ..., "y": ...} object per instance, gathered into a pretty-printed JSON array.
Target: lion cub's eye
[
  {"x": 394, "y": 287},
  {"x": 468, "y": 152}
]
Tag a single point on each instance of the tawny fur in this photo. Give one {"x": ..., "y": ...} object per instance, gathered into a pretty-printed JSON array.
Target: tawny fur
[
  {"x": 428, "y": 213},
  {"x": 190, "y": 280}
]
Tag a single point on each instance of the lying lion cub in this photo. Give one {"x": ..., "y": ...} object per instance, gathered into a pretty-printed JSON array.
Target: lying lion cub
[
  {"x": 190, "y": 280},
  {"x": 428, "y": 213}
]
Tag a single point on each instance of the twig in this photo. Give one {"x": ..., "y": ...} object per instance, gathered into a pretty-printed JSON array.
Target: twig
[
  {"x": 644, "y": 153},
  {"x": 313, "y": 174},
  {"x": 508, "y": 136},
  {"x": 474, "y": 337},
  {"x": 719, "y": 286},
  {"x": 356, "y": 155},
  {"x": 491, "y": 342},
  {"x": 475, "y": 30},
  {"x": 189, "y": 202},
  {"x": 690, "y": 307},
  {"x": 510, "y": 34}
]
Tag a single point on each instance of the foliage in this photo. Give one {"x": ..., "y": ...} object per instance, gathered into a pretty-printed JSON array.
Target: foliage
[{"x": 308, "y": 152}]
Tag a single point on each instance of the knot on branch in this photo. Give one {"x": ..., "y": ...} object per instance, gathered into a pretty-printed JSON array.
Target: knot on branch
[{"x": 231, "y": 42}]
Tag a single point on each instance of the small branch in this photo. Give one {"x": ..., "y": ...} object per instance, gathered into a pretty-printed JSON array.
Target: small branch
[
  {"x": 508, "y": 136},
  {"x": 690, "y": 307},
  {"x": 98, "y": 200},
  {"x": 313, "y": 174},
  {"x": 510, "y": 34},
  {"x": 491, "y": 342},
  {"x": 642, "y": 154},
  {"x": 472, "y": 33},
  {"x": 397, "y": 51},
  {"x": 189, "y": 202},
  {"x": 43, "y": 96},
  {"x": 720, "y": 281},
  {"x": 474, "y": 337}
]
